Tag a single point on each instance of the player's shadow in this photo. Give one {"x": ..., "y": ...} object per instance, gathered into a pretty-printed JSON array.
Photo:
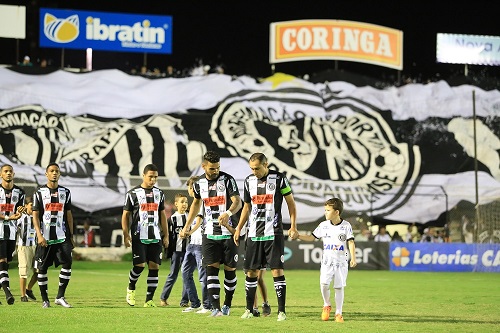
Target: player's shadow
[{"x": 314, "y": 313}]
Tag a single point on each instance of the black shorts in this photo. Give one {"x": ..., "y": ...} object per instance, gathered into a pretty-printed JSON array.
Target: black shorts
[
  {"x": 7, "y": 248},
  {"x": 142, "y": 253},
  {"x": 222, "y": 251},
  {"x": 263, "y": 254},
  {"x": 55, "y": 254}
]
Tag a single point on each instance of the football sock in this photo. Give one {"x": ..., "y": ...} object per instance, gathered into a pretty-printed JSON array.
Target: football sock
[
  {"x": 4, "y": 276},
  {"x": 280, "y": 287},
  {"x": 250, "y": 290},
  {"x": 64, "y": 277},
  {"x": 213, "y": 286},
  {"x": 325, "y": 292},
  {"x": 133, "y": 276},
  {"x": 43, "y": 284},
  {"x": 152, "y": 283},
  {"x": 339, "y": 300},
  {"x": 230, "y": 281}
]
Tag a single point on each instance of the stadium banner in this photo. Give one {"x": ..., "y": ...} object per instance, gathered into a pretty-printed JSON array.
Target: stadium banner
[
  {"x": 401, "y": 154},
  {"x": 445, "y": 257},
  {"x": 77, "y": 29},
  {"x": 13, "y": 21},
  {"x": 307, "y": 255},
  {"x": 336, "y": 40},
  {"x": 468, "y": 49}
]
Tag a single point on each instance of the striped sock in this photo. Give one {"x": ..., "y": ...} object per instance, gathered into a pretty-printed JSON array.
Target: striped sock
[
  {"x": 43, "y": 284},
  {"x": 213, "y": 286},
  {"x": 133, "y": 276},
  {"x": 64, "y": 277},
  {"x": 280, "y": 287},
  {"x": 4, "y": 276},
  {"x": 230, "y": 281},
  {"x": 250, "y": 290},
  {"x": 152, "y": 283}
]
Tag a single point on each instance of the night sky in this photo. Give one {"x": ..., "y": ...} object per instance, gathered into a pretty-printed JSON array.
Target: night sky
[{"x": 236, "y": 33}]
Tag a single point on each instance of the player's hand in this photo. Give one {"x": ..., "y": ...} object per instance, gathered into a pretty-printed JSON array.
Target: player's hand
[
  {"x": 42, "y": 241},
  {"x": 224, "y": 219},
  {"x": 293, "y": 233},
  {"x": 236, "y": 237},
  {"x": 127, "y": 240},
  {"x": 182, "y": 234},
  {"x": 353, "y": 263},
  {"x": 165, "y": 242}
]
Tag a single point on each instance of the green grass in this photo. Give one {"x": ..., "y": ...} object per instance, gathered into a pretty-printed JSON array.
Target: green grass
[{"x": 375, "y": 301}]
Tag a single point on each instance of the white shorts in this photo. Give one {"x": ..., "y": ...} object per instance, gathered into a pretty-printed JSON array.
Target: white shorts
[{"x": 337, "y": 273}]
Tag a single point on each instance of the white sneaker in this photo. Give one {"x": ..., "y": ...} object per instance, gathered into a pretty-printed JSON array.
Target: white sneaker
[
  {"x": 130, "y": 297},
  {"x": 190, "y": 309},
  {"x": 203, "y": 310},
  {"x": 62, "y": 302},
  {"x": 247, "y": 315}
]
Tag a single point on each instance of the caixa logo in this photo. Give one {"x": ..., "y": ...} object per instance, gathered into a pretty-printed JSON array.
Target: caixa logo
[{"x": 400, "y": 256}]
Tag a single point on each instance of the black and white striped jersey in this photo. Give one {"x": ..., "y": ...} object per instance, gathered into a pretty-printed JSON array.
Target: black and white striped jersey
[{"x": 10, "y": 200}]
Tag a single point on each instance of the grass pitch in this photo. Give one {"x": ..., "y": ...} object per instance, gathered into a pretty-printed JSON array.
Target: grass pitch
[{"x": 375, "y": 301}]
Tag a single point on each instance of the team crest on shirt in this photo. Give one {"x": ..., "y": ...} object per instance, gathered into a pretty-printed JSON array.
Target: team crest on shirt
[
  {"x": 271, "y": 186},
  {"x": 62, "y": 197},
  {"x": 236, "y": 258},
  {"x": 221, "y": 188},
  {"x": 15, "y": 198},
  {"x": 342, "y": 237},
  {"x": 157, "y": 197}
]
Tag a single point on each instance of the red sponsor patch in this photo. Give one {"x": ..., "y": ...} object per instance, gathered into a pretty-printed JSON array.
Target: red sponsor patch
[
  {"x": 7, "y": 208},
  {"x": 149, "y": 207},
  {"x": 262, "y": 199},
  {"x": 214, "y": 201},
  {"x": 54, "y": 207}
]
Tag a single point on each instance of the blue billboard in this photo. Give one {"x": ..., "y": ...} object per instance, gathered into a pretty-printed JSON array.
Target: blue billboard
[
  {"x": 444, "y": 257},
  {"x": 75, "y": 29}
]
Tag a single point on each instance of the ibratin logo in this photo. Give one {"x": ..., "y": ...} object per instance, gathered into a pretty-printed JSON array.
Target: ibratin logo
[
  {"x": 61, "y": 30},
  {"x": 326, "y": 144},
  {"x": 400, "y": 256}
]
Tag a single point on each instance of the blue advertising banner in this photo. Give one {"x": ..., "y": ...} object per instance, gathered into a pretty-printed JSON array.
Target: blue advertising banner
[
  {"x": 75, "y": 29},
  {"x": 444, "y": 257}
]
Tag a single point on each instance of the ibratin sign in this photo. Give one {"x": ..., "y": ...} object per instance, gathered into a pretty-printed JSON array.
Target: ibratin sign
[{"x": 394, "y": 153}]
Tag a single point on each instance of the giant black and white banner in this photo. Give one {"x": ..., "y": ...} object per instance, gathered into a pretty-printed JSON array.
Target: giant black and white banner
[{"x": 394, "y": 152}]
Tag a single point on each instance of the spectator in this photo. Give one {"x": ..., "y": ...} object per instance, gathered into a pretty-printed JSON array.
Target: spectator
[
  {"x": 26, "y": 61},
  {"x": 382, "y": 235},
  {"x": 88, "y": 235},
  {"x": 467, "y": 230},
  {"x": 411, "y": 234},
  {"x": 427, "y": 237},
  {"x": 363, "y": 236},
  {"x": 170, "y": 71},
  {"x": 396, "y": 237},
  {"x": 437, "y": 237}
]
